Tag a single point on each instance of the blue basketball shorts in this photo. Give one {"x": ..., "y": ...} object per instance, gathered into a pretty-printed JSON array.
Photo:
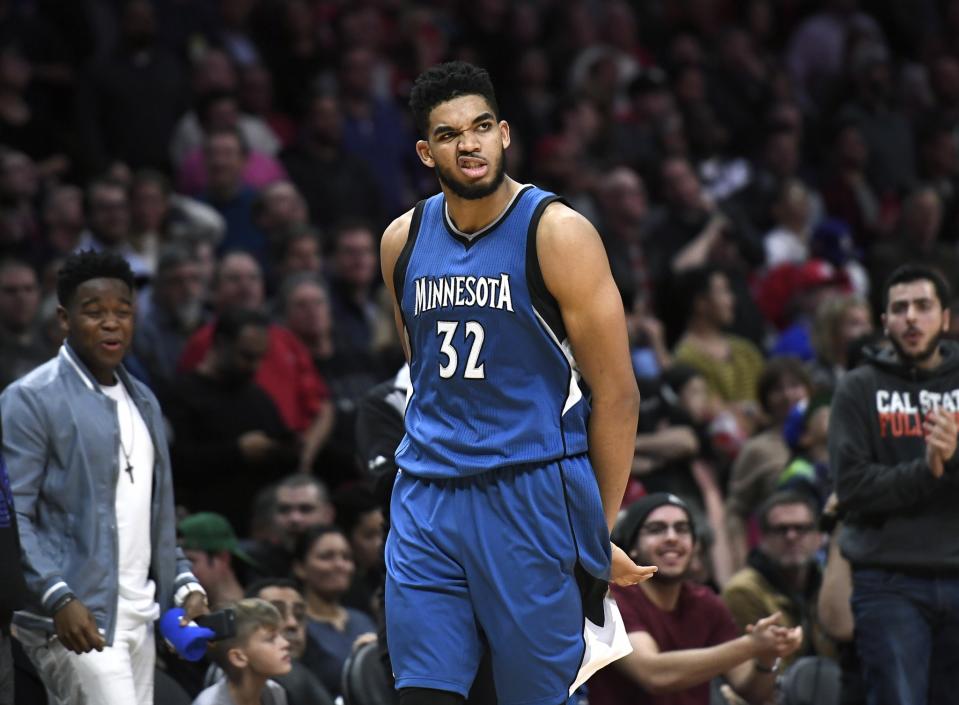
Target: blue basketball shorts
[{"x": 513, "y": 560}]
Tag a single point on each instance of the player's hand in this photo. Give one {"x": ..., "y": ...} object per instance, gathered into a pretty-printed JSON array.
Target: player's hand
[
  {"x": 77, "y": 629},
  {"x": 624, "y": 572},
  {"x": 194, "y": 605},
  {"x": 940, "y": 430}
]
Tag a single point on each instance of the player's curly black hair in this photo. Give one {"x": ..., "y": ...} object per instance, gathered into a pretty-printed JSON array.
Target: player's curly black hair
[
  {"x": 447, "y": 81},
  {"x": 86, "y": 265}
]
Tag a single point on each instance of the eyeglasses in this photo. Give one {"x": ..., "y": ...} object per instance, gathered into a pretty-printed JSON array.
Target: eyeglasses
[
  {"x": 782, "y": 530},
  {"x": 659, "y": 528}
]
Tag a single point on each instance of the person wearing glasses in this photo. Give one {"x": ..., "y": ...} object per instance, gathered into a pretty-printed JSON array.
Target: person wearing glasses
[
  {"x": 682, "y": 634},
  {"x": 781, "y": 573}
]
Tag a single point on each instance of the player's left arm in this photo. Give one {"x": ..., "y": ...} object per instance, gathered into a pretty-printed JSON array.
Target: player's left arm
[{"x": 576, "y": 272}]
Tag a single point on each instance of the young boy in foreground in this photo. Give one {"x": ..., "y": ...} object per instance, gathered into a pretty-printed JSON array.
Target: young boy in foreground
[{"x": 250, "y": 659}]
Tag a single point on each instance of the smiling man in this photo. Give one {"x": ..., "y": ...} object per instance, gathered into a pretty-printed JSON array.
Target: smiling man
[
  {"x": 508, "y": 468},
  {"x": 682, "y": 634},
  {"x": 90, "y": 474},
  {"x": 892, "y": 447}
]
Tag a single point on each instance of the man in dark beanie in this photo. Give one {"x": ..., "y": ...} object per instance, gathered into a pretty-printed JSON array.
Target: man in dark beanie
[{"x": 682, "y": 634}]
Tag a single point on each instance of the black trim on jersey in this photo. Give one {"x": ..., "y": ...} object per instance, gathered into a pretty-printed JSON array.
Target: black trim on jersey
[
  {"x": 542, "y": 301},
  {"x": 539, "y": 295},
  {"x": 468, "y": 242},
  {"x": 592, "y": 590},
  {"x": 403, "y": 261}
]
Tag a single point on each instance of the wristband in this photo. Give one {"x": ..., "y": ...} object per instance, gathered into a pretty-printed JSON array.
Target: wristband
[
  {"x": 767, "y": 669},
  {"x": 62, "y": 602}
]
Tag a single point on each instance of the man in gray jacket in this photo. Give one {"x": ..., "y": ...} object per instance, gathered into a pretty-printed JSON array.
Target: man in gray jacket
[{"x": 90, "y": 473}]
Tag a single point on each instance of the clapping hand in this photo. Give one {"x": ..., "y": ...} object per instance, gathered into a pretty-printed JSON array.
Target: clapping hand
[{"x": 940, "y": 430}]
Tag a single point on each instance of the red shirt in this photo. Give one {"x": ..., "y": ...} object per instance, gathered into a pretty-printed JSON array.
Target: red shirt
[
  {"x": 700, "y": 619},
  {"x": 286, "y": 373}
]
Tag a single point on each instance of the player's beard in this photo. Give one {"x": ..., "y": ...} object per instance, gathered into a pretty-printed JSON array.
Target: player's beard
[
  {"x": 472, "y": 192},
  {"x": 922, "y": 355}
]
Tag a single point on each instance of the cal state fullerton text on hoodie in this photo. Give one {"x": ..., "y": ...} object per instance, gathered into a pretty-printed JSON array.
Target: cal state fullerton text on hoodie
[{"x": 898, "y": 515}]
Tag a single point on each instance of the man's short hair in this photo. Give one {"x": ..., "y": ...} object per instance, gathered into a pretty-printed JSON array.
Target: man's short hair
[
  {"x": 251, "y": 614},
  {"x": 254, "y": 588},
  {"x": 774, "y": 371},
  {"x": 299, "y": 479},
  {"x": 695, "y": 283},
  {"x": 231, "y": 322},
  {"x": 445, "y": 82},
  {"x": 234, "y": 132},
  {"x": 86, "y": 265},
  {"x": 908, "y": 273},
  {"x": 172, "y": 256},
  {"x": 781, "y": 498}
]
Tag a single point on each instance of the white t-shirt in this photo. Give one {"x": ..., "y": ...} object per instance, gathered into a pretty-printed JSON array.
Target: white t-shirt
[
  {"x": 137, "y": 599},
  {"x": 219, "y": 694}
]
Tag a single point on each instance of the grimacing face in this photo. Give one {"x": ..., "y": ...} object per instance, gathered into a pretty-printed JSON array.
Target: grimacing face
[{"x": 466, "y": 146}]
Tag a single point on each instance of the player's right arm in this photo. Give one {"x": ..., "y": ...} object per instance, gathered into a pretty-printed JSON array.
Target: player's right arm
[{"x": 391, "y": 246}]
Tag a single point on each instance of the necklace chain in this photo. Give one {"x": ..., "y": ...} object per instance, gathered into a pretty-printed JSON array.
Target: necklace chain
[{"x": 133, "y": 430}]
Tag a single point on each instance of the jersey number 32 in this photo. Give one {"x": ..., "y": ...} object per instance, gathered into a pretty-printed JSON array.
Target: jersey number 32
[{"x": 474, "y": 369}]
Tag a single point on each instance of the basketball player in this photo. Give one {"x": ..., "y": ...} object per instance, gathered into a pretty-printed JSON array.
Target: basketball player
[{"x": 508, "y": 468}]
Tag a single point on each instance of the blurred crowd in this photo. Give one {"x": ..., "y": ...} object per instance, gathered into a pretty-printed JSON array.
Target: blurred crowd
[{"x": 756, "y": 170}]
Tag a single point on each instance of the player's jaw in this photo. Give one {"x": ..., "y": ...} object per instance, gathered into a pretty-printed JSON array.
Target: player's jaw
[{"x": 473, "y": 176}]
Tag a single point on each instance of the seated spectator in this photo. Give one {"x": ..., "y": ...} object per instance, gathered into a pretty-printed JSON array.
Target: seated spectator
[
  {"x": 917, "y": 241},
  {"x": 788, "y": 241},
  {"x": 781, "y": 574},
  {"x": 220, "y": 111},
  {"x": 782, "y": 384},
  {"x": 299, "y": 502},
  {"x": 840, "y": 321},
  {"x": 228, "y": 437},
  {"x": 324, "y": 564},
  {"x": 168, "y": 314},
  {"x": 804, "y": 287},
  {"x": 359, "y": 515},
  {"x": 62, "y": 216},
  {"x": 257, "y": 653},
  {"x": 210, "y": 543},
  {"x": 306, "y": 310},
  {"x": 214, "y": 73},
  {"x": 286, "y": 372},
  {"x": 109, "y": 224},
  {"x": 301, "y": 686},
  {"x": 336, "y": 184},
  {"x": 226, "y": 191},
  {"x": 160, "y": 216},
  {"x": 730, "y": 364},
  {"x": 807, "y": 434},
  {"x": 682, "y": 634},
  {"x": 299, "y": 251},
  {"x": 279, "y": 210},
  {"x": 22, "y": 344}
]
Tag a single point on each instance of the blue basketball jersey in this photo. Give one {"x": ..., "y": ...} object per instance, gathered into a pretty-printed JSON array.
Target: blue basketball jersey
[{"x": 494, "y": 382}]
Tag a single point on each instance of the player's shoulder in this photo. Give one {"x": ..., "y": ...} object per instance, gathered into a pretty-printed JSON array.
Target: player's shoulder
[
  {"x": 559, "y": 215},
  {"x": 399, "y": 229},
  {"x": 561, "y": 228}
]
